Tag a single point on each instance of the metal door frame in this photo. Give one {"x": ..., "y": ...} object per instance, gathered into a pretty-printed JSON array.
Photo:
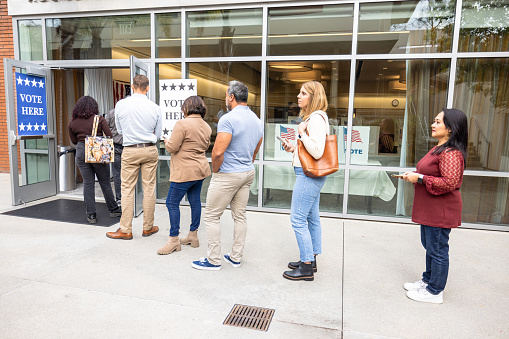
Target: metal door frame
[{"x": 26, "y": 193}]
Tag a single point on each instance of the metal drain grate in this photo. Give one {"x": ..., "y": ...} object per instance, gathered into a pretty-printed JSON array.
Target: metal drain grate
[{"x": 253, "y": 317}]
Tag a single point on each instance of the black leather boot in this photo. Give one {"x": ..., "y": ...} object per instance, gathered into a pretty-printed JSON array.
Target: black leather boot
[
  {"x": 303, "y": 272},
  {"x": 294, "y": 264},
  {"x": 92, "y": 218},
  {"x": 117, "y": 212}
]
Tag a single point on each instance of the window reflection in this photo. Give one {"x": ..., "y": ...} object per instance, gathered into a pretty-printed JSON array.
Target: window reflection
[
  {"x": 310, "y": 30},
  {"x": 394, "y": 106},
  {"x": 213, "y": 79},
  {"x": 484, "y": 26},
  {"x": 168, "y": 34},
  {"x": 224, "y": 33},
  {"x": 403, "y": 27},
  {"x": 481, "y": 91},
  {"x": 30, "y": 40},
  {"x": 284, "y": 82},
  {"x": 114, "y": 37}
]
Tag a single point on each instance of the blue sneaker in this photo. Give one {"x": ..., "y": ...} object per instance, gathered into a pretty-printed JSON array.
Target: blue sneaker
[
  {"x": 203, "y": 264},
  {"x": 227, "y": 258}
]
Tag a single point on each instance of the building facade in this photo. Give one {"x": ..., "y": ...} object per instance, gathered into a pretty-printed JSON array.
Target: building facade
[{"x": 388, "y": 68}]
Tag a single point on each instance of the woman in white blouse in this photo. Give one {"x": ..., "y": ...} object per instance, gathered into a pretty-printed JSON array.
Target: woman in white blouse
[{"x": 304, "y": 213}]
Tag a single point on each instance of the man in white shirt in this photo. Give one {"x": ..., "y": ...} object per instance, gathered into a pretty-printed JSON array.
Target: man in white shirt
[{"x": 139, "y": 121}]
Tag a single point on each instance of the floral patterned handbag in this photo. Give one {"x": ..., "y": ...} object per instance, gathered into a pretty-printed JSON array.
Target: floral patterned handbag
[{"x": 99, "y": 149}]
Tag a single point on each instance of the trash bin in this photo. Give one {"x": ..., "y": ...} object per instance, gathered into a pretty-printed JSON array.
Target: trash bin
[{"x": 66, "y": 168}]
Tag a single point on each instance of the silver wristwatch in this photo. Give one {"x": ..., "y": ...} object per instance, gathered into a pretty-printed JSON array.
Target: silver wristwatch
[{"x": 420, "y": 178}]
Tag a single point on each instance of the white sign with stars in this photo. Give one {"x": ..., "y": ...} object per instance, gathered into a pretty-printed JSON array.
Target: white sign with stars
[{"x": 172, "y": 94}]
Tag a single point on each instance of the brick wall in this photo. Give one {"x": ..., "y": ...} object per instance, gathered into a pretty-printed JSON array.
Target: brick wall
[{"x": 6, "y": 51}]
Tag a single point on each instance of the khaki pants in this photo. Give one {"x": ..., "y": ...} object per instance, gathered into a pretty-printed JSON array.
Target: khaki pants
[
  {"x": 134, "y": 161},
  {"x": 224, "y": 189}
]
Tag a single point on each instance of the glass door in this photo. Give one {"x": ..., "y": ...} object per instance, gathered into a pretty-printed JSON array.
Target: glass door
[
  {"x": 138, "y": 67},
  {"x": 31, "y": 128}
]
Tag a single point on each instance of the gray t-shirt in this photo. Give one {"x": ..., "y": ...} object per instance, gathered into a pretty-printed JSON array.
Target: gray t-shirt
[{"x": 246, "y": 130}]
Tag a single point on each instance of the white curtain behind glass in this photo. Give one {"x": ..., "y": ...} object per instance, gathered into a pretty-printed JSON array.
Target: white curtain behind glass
[{"x": 99, "y": 85}]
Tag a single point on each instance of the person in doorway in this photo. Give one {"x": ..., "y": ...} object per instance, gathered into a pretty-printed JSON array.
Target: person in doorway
[
  {"x": 139, "y": 121},
  {"x": 239, "y": 137},
  {"x": 304, "y": 214},
  {"x": 81, "y": 124},
  {"x": 189, "y": 166},
  {"x": 437, "y": 201},
  {"x": 117, "y": 164}
]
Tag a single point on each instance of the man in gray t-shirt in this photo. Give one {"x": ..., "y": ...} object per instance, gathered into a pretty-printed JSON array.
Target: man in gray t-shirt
[{"x": 239, "y": 137}]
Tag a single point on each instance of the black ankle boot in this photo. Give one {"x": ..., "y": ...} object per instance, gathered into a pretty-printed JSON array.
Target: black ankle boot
[
  {"x": 303, "y": 272},
  {"x": 294, "y": 264},
  {"x": 92, "y": 218},
  {"x": 117, "y": 212}
]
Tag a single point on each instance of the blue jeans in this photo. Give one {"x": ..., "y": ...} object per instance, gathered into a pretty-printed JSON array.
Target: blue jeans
[
  {"x": 175, "y": 194},
  {"x": 436, "y": 242},
  {"x": 304, "y": 215}
]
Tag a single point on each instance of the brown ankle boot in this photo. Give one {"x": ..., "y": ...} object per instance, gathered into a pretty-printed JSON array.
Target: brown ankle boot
[
  {"x": 172, "y": 245},
  {"x": 191, "y": 239}
]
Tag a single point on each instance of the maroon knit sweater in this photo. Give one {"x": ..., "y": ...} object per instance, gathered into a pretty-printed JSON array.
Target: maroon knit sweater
[
  {"x": 437, "y": 202},
  {"x": 80, "y": 128}
]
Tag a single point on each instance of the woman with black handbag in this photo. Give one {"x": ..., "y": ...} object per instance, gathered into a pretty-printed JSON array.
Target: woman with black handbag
[
  {"x": 304, "y": 215},
  {"x": 81, "y": 125}
]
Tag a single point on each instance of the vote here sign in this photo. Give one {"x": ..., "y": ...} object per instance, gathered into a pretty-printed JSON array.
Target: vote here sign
[
  {"x": 31, "y": 104},
  {"x": 172, "y": 94}
]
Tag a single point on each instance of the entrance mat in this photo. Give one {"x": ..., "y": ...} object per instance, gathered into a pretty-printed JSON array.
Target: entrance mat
[{"x": 65, "y": 210}]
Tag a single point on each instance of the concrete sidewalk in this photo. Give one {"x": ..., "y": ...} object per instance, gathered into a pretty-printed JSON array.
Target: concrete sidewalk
[{"x": 60, "y": 280}]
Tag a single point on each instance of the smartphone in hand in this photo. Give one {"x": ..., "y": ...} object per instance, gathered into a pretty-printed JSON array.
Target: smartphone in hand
[
  {"x": 397, "y": 175},
  {"x": 282, "y": 140}
]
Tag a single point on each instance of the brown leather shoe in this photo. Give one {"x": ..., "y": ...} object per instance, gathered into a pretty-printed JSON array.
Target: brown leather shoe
[
  {"x": 119, "y": 235},
  {"x": 151, "y": 231}
]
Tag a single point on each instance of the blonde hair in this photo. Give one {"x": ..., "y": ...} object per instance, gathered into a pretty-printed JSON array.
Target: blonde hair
[{"x": 317, "y": 99}]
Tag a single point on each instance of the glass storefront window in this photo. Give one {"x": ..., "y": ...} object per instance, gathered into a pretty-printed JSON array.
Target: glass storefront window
[
  {"x": 30, "y": 40},
  {"x": 212, "y": 83},
  {"x": 168, "y": 35},
  {"x": 481, "y": 91},
  {"x": 112, "y": 37},
  {"x": 377, "y": 193},
  {"x": 395, "y": 104},
  {"x": 404, "y": 27},
  {"x": 284, "y": 82},
  {"x": 307, "y": 30},
  {"x": 224, "y": 33},
  {"x": 485, "y": 200},
  {"x": 484, "y": 26}
]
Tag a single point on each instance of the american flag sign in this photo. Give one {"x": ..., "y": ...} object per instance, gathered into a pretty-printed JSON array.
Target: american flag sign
[
  {"x": 356, "y": 136},
  {"x": 287, "y": 133}
]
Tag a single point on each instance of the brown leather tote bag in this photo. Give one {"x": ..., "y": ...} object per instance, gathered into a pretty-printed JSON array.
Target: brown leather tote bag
[{"x": 326, "y": 165}]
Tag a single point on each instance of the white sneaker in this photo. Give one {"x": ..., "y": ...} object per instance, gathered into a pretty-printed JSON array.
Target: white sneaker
[
  {"x": 424, "y": 296},
  {"x": 415, "y": 286}
]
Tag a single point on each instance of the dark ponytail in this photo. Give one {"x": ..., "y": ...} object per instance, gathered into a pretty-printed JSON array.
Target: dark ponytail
[{"x": 456, "y": 121}]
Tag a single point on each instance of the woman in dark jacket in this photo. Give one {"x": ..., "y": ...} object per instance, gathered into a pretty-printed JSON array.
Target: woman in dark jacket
[
  {"x": 437, "y": 201},
  {"x": 79, "y": 127}
]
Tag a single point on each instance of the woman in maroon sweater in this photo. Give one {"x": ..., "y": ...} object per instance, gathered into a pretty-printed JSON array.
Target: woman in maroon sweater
[
  {"x": 437, "y": 201},
  {"x": 80, "y": 126}
]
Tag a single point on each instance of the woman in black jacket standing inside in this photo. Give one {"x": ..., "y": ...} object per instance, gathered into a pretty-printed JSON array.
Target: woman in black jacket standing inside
[{"x": 80, "y": 126}]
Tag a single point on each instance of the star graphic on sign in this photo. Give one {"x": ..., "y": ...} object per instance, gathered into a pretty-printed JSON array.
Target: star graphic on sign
[
  {"x": 182, "y": 87},
  {"x": 20, "y": 81},
  {"x": 36, "y": 127},
  {"x": 29, "y": 127},
  {"x": 172, "y": 87},
  {"x": 191, "y": 87},
  {"x": 41, "y": 84},
  {"x": 165, "y": 87},
  {"x": 27, "y": 82},
  {"x": 21, "y": 127},
  {"x": 43, "y": 127},
  {"x": 34, "y": 83},
  {"x": 165, "y": 131}
]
